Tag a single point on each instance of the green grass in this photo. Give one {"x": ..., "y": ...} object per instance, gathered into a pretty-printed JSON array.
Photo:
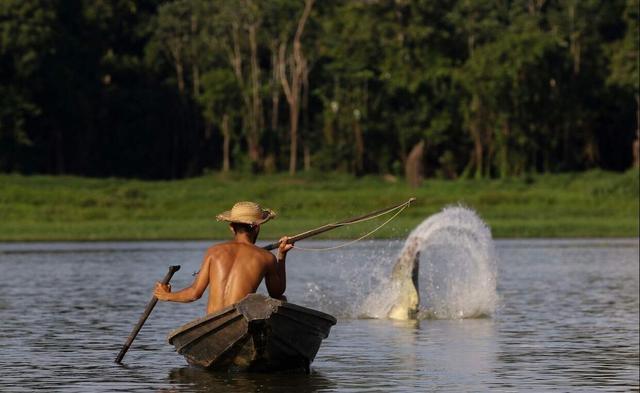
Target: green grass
[{"x": 590, "y": 204}]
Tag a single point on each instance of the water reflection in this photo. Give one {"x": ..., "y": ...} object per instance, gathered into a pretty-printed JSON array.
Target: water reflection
[{"x": 200, "y": 380}]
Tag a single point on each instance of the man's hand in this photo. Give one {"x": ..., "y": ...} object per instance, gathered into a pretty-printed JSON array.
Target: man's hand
[
  {"x": 276, "y": 277},
  {"x": 284, "y": 247},
  {"x": 162, "y": 291}
]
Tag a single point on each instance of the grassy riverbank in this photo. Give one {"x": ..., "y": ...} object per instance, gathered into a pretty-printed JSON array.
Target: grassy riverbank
[{"x": 591, "y": 204}]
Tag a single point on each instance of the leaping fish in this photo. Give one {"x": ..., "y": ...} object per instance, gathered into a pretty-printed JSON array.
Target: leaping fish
[{"x": 405, "y": 276}]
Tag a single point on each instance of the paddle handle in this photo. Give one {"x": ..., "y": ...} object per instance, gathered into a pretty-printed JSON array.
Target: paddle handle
[{"x": 145, "y": 315}]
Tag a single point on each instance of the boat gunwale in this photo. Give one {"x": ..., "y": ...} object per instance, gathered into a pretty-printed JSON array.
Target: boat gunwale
[
  {"x": 199, "y": 321},
  {"x": 234, "y": 308},
  {"x": 210, "y": 330},
  {"x": 310, "y": 311},
  {"x": 308, "y": 326}
]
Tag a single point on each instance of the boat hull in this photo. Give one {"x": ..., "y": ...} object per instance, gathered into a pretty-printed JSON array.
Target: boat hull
[{"x": 256, "y": 334}]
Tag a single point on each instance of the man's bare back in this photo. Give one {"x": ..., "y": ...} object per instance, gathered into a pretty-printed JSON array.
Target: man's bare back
[
  {"x": 231, "y": 271},
  {"x": 237, "y": 269}
]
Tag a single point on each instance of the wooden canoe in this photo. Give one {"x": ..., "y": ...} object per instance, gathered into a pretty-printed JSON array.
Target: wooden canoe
[{"x": 256, "y": 334}]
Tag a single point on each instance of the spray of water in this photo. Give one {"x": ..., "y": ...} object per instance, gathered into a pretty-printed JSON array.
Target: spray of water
[
  {"x": 457, "y": 269},
  {"x": 342, "y": 282}
]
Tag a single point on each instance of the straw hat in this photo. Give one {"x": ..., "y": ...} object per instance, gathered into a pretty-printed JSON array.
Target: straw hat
[{"x": 247, "y": 213}]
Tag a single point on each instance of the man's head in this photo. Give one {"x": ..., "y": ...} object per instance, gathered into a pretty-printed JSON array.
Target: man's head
[
  {"x": 251, "y": 231},
  {"x": 246, "y": 217}
]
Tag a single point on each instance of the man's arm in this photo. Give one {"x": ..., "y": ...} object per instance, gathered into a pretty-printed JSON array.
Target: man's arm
[
  {"x": 276, "y": 277},
  {"x": 189, "y": 294}
]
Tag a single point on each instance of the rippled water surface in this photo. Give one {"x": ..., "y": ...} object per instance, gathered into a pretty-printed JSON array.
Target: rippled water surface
[{"x": 567, "y": 320}]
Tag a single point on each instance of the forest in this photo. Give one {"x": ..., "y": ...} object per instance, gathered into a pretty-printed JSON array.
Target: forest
[{"x": 439, "y": 88}]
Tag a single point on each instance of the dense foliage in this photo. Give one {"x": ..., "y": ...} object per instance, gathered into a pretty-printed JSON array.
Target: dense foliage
[{"x": 169, "y": 89}]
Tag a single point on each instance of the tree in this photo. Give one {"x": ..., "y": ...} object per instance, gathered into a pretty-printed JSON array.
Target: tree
[
  {"x": 237, "y": 30},
  {"x": 219, "y": 100},
  {"x": 487, "y": 88},
  {"x": 26, "y": 35},
  {"x": 292, "y": 84},
  {"x": 624, "y": 66}
]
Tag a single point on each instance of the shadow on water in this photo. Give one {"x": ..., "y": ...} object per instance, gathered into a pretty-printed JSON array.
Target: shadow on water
[{"x": 200, "y": 380}]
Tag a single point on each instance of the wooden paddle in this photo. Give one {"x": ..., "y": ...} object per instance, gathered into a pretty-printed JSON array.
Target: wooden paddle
[
  {"x": 328, "y": 227},
  {"x": 145, "y": 314}
]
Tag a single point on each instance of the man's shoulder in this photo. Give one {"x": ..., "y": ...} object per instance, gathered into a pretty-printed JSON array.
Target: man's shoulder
[
  {"x": 261, "y": 252},
  {"x": 220, "y": 248},
  {"x": 235, "y": 246},
  {"x": 216, "y": 247},
  {"x": 267, "y": 254}
]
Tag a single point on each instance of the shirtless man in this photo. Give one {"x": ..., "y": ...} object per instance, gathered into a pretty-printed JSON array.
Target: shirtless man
[{"x": 234, "y": 269}]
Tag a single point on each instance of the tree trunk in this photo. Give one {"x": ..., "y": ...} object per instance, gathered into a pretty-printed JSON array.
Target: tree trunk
[
  {"x": 486, "y": 143},
  {"x": 249, "y": 99},
  {"x": 476, "y": 135},
  {"x": 256, "y": 102},
  {"x": 574, "y": 40},
  {"x": 413, "y": 169},
  {"x": 59, "y": 152},
  {"x": 175, "y": 48},
  {"x": 196, "y": 80},
  {"x": 195, "y": 69},
  {"x": 305, "y": 120},
  {"x": 503, "y": 150},
  {"x": 275, "y": 88},
  {"x": 297, "y": 68},
  {"x": 293, "y": 153},
  {"x": 307, "y": 157},
  {"x": 359, "y": 145},
  {"x": 478, "y": 152},
  {"x": 226, "y": 141},
  {"x": 636, "y": 143},
  {"x": 180, "y": 76}
]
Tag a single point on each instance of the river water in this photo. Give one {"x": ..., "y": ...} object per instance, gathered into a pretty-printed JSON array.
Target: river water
[{"x": 566, "y": 320}]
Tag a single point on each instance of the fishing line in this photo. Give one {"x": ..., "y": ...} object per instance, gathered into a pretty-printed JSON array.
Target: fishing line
[{"x": 401, "y": 209}]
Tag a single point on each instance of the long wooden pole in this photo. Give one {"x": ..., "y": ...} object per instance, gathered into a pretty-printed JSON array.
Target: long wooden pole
[
  {"x": 328, "y": 227},
  {"x": 145, "y": 315}
]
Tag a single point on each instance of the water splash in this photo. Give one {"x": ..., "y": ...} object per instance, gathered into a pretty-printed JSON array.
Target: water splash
[
  {"x": 457, "y": 269},
  {"x": 354, "y": 273}
]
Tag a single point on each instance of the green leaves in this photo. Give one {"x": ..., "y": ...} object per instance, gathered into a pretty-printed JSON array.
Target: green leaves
[{"x": 494, "y": 88}]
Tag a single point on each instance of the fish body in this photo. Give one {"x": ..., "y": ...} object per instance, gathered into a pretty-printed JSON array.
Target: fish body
[{"x": 405, "y": 277}]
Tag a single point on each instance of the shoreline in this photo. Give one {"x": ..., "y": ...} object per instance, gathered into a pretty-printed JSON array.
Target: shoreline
[{"x": 593, "y": 204}]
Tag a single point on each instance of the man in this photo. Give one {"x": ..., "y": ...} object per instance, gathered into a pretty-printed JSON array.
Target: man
[{"x": 234, "y": 269}]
